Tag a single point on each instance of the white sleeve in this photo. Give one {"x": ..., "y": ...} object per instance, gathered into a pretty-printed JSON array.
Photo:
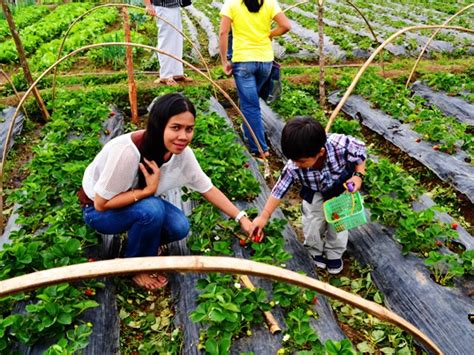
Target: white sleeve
[
  {"x": 119, "y": 172},
  {"x": 195, "y": 178}
]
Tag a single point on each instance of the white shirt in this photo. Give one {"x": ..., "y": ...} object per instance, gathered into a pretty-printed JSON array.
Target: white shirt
[{"x": 115, "y": 170}]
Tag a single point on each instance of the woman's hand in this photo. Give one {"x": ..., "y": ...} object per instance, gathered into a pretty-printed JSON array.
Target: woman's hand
[
  {"x": 246, "y": 226},
  {"x": 150, "y": 10},
  {"x": 227, "y": 67},
  {"x": 152, "y": 179}
]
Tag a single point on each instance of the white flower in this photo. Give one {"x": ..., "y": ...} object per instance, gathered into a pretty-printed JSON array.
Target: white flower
[
  {"x": 217, "y": 238},
  {"x": 207, "y": 250},
  {"x": 237, "y": 285},
  {"x": 283, "y": 265},
  {"x": 286, "y": 337}
]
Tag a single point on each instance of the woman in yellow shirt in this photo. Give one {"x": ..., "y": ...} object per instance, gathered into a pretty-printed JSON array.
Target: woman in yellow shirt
[{"x": 252, "y": 55}]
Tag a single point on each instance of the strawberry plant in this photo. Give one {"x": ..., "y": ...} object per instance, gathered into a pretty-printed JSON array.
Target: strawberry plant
[
  {"x": 227, "y": 310},
  {"x": 375, "y": 334}
]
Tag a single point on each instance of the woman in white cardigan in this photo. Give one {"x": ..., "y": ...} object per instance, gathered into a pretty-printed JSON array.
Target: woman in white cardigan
[{"x": 129, "y": 174}]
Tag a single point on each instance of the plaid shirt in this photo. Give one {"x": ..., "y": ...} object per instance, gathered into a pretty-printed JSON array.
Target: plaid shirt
[{"x": 342, "y": 153}]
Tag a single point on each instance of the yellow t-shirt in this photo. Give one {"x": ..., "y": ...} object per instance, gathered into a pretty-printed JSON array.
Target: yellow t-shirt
[{"x": 251, "y": 31}]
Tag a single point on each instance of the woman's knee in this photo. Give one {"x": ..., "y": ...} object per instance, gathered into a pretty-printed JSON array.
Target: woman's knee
[
  {"x": 181, "y": 227},
  {"x": 150, "y": 210}
]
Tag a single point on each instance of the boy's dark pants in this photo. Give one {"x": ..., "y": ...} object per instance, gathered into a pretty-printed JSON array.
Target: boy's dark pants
[{"x": 332, "y": 244}]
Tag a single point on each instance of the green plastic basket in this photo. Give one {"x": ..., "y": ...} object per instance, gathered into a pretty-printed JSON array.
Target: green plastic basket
[{"x": 345, "y": 211}]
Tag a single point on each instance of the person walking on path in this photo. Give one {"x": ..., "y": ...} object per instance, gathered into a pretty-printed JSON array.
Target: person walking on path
[
  {"x": 122, "y": 186},
  {"x": 252, "y": 55},
  {"x": 169, "y": 40},
  {"x": 322, "y": 164}
]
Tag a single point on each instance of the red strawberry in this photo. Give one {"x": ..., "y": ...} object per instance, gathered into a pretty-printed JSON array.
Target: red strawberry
[
  {"x": 436, "y": 147},
  {"x": 454, "y": 225},
  {"x": 91, "y": 260},
  {"x": 439, "y": 243},
  {"x": 242, "y": 242},
  {"x": 112, "y": 114},
  {"x": 89, "y": 292},
  {"x": 418, "y": 140},
  {"x": 335, "y": 216},
  {"x": 315, "y": 300}
]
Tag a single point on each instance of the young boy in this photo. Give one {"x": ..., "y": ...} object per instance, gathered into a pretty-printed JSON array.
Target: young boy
[{"x": 322, "y": 165}]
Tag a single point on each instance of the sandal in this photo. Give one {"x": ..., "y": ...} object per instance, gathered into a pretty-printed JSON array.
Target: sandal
[
  {"x": 150, "y": 282},
  {"x": 167, "y": 82},
  {"x": 183, "y": 78}
]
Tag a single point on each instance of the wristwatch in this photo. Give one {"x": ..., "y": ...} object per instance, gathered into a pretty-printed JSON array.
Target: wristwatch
[
  {"x": 359, "y": 174},
  {"x": 240, "y": 215}
]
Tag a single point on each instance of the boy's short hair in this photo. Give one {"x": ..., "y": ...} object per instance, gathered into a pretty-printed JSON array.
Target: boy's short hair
[{"x": 302, "y": 137}]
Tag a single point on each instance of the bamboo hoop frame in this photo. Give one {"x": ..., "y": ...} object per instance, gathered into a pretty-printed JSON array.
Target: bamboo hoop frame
[
  {"x": 374, "y": 54},
  {"x": 431, "y": 39},
  {"x": 366, "y": 20},
  {"x": 15, "y": 91},
  {"x": 200, "y": 264},
  {"x": 121, "y": 6},
  {"x": 108, "y": 44}
]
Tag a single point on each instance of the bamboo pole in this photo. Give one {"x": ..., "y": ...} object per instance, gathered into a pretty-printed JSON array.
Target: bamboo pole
[
  {"x": 108, "y": 44},
  {"x": 14, "y": 90},
  {"x": 272, "y": 323},
  {"x": 322, "y": 86},
  {"x": 200, "y": 264},
  {"x": 431, "y": 39},
  {"x": 370, "y": 29},
  {"x": 122, "y": 6},
  {"x": 374, "y": 54},
  {"x": 23, "y": 61},
  {"x": 132, "y": 87}
]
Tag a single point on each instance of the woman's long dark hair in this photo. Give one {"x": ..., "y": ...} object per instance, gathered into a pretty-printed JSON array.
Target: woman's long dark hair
[
  {"x": 152, "y": 146},
  {"x": 253, "y": 5}
]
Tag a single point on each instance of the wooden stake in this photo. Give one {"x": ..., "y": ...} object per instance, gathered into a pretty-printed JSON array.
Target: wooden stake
[
  {"x": 322, "y": 88},
  {"x": 22, "y": 57},
  {"x": 132, "y": 88},
  {"x": 272, "y": 323}
]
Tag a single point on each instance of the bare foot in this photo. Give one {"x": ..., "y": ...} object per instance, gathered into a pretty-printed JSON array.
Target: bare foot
[{"x": 150, "y": 281}]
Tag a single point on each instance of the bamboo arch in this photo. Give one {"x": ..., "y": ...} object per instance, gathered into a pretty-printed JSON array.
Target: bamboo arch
[
  {"x": 374, "y": 54},
  {"x": 108, "y": 44},
  {"x": 431, "y": 39},
  {"x": 7, "y": 78},
  {"x": 120, "y": 5},
  {"x": 199, "y": 264}
]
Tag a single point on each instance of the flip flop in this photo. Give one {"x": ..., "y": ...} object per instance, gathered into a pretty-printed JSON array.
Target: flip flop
[
  {"x": 184, "y": 78},
  {"x": 167, "y": 82}
]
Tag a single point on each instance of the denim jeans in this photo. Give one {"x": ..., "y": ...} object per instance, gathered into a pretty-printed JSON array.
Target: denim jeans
[
  {"x": 250, "y": 78},
  {"x": 150, "y": 222}
]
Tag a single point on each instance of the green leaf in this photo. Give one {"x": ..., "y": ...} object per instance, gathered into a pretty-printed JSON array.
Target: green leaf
[
  {"x": 65, "y": 318},
  {"x": 212, "y": 347}
]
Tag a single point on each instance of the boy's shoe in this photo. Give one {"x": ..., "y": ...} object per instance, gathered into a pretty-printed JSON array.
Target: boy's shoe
[
  {"x": 320, "y": 261},
  {"x": 334, "y": 266}
]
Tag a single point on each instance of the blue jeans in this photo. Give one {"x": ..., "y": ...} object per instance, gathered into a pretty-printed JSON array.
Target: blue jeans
[
  {"x": 250, "y": 78},
  {"x": 150, "y": 222}
]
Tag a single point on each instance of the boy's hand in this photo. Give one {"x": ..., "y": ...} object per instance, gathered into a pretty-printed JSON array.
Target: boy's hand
[
  {"x": 258, "y": 224},
  {"x": 356, "y": 181}
]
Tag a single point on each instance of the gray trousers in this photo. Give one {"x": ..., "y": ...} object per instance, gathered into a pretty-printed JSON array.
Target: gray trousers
[{"x": 320, "y": 237}]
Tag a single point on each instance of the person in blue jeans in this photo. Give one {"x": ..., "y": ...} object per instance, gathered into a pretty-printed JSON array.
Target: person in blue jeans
[
  {"x": 252, "y": 56},
  {"x": 122, "y": 186}
]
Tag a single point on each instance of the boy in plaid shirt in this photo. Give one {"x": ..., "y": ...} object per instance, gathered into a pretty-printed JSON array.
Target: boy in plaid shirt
[{"x": 321, "y": 164}]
